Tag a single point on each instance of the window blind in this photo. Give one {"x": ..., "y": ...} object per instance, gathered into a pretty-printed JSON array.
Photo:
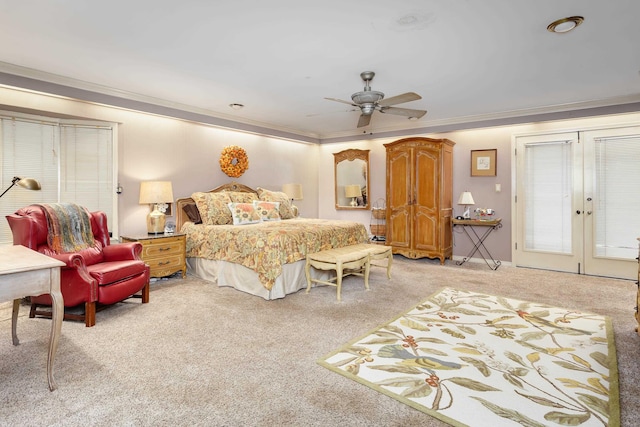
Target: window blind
[
  {"x": 86, "y": 169},
  {"x": 72, "y": 162},
  {"x": 617, "y": 182},
  {"x": 548, "y": 193}
]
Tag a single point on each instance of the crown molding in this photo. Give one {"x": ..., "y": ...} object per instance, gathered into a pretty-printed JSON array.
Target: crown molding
[
  {"x": 615, "y": 105},
  {"x": 53, "y": 84}
]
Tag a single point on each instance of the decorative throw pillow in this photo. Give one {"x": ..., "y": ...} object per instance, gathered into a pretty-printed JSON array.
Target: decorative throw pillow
[
  {"x": 213, "y": 208},
  {"x": 242, "y": 196},
  {"x": 268, "y": 211},
  {"x": 243, "y": 213},
  {"x": 192, "y": 213},
  {"x": 286, "y": 209}
]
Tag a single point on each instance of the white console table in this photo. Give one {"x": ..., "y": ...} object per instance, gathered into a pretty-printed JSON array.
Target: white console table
[{"x": 24, "y": 272}]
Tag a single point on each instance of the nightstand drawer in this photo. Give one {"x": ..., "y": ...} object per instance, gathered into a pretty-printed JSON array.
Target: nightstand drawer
[
  {"x": 164, "y": 253},
  {"x": 162, "y": 249},
  {"x": 165, "y": 266}
]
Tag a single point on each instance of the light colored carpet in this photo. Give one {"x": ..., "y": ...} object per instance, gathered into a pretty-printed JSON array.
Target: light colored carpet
[
  {"x": 473, "y": 359},
  {"x": 198, "y": 354}
]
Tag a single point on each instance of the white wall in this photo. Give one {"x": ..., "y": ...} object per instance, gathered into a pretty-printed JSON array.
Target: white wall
[
  {"x": 160, "y": 148},
  {"x": 482, "y": 188}
]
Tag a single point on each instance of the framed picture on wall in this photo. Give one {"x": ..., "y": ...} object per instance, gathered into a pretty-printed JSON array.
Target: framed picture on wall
[{"x": 483, "y": 162}]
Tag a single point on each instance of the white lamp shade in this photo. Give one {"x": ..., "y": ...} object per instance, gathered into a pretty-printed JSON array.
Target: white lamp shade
[
  {"x": 155, "y": 192},
  {"x": 466, "y": 199},
  {"x": 293, "y": 191},
  {"x": 352, "y": 191}
]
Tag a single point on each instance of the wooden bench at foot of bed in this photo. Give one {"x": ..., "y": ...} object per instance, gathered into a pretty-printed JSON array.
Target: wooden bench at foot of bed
[
  {"x": 354, "y": 260},
  {"x": 377, "y": 252}
]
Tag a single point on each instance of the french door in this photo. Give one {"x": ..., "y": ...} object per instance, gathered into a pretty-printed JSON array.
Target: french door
[{"x": 578, "y": 202}]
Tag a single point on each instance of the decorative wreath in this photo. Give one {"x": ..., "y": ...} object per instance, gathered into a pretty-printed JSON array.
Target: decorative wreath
[{"x": 234, "y": 161}]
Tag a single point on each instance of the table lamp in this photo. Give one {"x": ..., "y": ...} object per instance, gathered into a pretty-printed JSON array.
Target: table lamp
[
  {"x": 154, "y": 193},
  {"x": 353, "y": 192},
  {"x": 466, "y": 199},
  {"x": 294, "y": 192},
  {"x": 28, "y": 183}
]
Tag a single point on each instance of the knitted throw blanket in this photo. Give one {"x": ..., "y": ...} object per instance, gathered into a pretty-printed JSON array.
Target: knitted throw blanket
[{"x": 69, "y": 227}]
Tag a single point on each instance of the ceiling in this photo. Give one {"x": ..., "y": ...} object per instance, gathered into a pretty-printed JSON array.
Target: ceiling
[{"x": 473, "y": 62}]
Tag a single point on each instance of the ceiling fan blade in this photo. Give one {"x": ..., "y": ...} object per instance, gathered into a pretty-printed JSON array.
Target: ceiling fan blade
[
  {"x": 408, "y": 112},
  {"x": 399, "y": 99},
  {"x": 364, "y": 120},
  {"x": 340, "y": 100}
]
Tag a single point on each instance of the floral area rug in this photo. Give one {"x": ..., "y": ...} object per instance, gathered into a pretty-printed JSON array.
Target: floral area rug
[{"x": 473, "y": 359}]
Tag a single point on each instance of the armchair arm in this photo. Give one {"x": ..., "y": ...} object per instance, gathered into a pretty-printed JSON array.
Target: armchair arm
[
  {"x": 75, "y": 261},
  {"x": 71, "y": 260},
  {"x": 123, "y": 251}
]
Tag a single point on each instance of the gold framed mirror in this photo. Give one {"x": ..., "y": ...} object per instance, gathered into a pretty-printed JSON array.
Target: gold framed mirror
[{"x": 351, "y": 168}]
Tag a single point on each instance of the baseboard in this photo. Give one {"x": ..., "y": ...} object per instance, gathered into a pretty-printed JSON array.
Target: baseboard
[{"x": 479, "y": 260}]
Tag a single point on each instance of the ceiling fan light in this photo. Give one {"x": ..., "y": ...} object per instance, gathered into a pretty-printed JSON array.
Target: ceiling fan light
[
  {"x": 367, "y": 109},
  {"x": 565, "y": 25},
  {"x": 369, "y": 96}
]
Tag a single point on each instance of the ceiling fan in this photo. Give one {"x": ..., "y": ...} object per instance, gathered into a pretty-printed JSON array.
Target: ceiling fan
[{"x": 370, "y": 100}]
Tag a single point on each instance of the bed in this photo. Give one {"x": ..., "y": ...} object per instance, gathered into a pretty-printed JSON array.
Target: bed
[{"x": 262, "y": 256}]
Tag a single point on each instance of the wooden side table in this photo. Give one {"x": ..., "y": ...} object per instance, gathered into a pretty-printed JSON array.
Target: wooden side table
[
  {"x": 164, "y": 253},
  {"x": 477, "y": 239}
]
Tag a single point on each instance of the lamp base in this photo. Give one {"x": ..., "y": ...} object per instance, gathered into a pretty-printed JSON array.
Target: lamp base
[
  {"x": 354, "y": 202},
  {"x": 156, "y": 221}
]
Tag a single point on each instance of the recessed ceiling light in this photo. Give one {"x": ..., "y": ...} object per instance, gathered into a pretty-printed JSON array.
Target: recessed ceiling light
[
  {"x": 236, "y": 106},
  {"x": 565, "y": 25}
]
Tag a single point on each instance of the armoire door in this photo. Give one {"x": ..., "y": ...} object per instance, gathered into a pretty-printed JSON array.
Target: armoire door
[
  {"x": 425, "y": 199},
  {"x": 399, "y": 196}
]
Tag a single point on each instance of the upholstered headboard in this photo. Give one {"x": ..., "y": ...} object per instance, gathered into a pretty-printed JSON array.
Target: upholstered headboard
[{"x": 181, "y": 216}]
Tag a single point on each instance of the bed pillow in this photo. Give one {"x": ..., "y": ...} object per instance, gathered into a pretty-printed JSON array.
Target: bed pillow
[
  {"x": 268, "y": 211},
  {"x": 191, "y": 210},
  {"x": 213, "y": 208},
  {"x": 286, "y": 209},
  {"x": 243, "y": 213},
  {"x": 242, "y": 196}
]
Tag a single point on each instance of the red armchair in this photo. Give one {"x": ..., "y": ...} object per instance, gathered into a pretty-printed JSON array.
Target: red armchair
[{"x": 96, "y": 277}]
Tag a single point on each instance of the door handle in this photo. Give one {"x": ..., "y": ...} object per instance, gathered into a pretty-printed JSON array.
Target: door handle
[
  {"x": 578, "y": 212},
  {"x": 589, "y": 212}
]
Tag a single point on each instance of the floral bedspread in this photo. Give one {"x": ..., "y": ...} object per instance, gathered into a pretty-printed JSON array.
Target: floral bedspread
[{"x": 266, "y": 246}]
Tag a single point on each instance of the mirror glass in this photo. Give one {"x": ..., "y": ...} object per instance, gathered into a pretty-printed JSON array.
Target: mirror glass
[{"x": 352, "y": 179}]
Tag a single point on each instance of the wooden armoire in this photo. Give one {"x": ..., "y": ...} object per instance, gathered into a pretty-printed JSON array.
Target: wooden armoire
[{"x": 419, "y": 197}]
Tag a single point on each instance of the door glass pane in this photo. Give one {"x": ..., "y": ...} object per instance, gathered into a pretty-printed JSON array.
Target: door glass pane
[
  {"x": 548, "y": 194},
  {"x": 616, "y": 202}
]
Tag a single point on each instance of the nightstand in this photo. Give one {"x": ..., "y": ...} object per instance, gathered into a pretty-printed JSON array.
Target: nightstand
[{"x": 164, "y": 253}]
